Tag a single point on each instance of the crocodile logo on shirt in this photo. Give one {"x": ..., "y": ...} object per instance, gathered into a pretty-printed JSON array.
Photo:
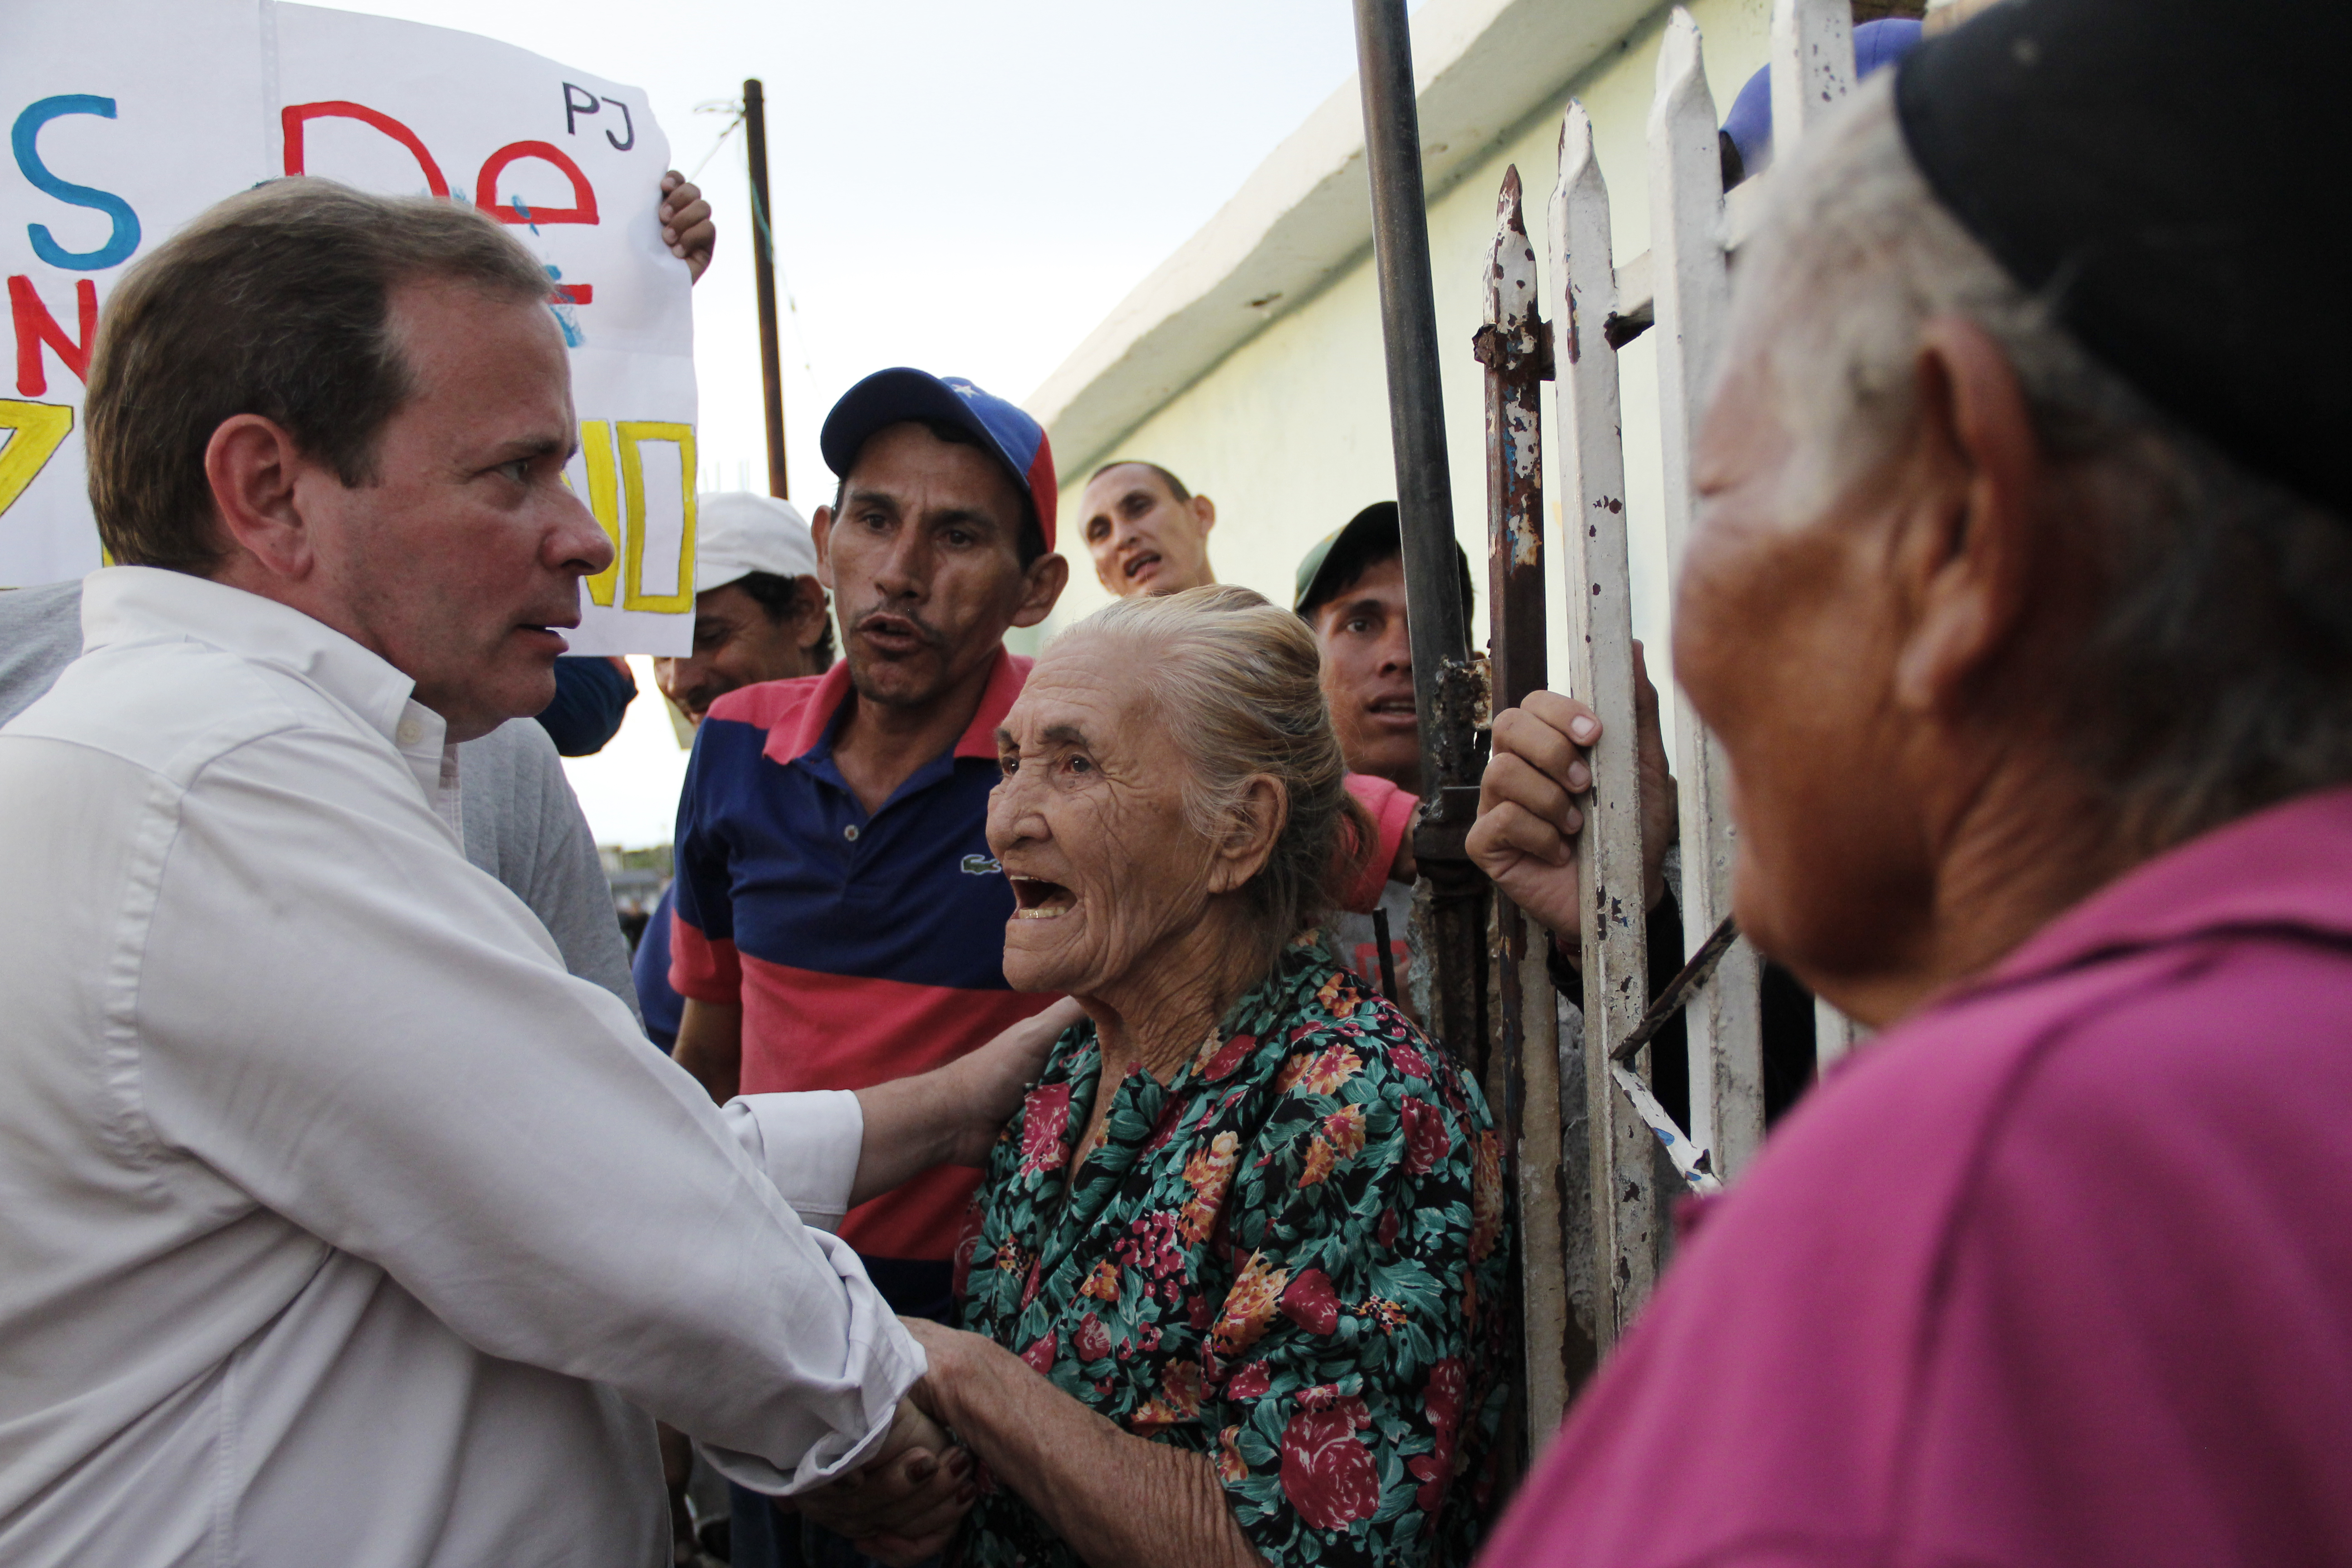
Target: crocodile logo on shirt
[{"x": 980, "y": 865}]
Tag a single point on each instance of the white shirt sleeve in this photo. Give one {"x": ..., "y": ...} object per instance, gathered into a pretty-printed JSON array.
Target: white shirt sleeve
[
  {"x": 807, "y": 1143},
  {"x": 365, "y": 1032}
]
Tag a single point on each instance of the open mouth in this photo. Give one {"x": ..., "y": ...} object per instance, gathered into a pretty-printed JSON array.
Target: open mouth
[
  {"x": 1394, "y": 710},
  {"x": 1137, "y": 565},
  {"x": 1038, "y": 900},
  {"x": 893, "y": 636}
]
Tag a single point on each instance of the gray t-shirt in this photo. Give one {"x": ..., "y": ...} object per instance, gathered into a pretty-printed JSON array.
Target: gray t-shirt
[{"x": 523, "y": 825}]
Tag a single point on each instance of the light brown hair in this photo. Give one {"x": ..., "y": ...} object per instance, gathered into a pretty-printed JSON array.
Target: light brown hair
[{"x": 274, "y": 302}]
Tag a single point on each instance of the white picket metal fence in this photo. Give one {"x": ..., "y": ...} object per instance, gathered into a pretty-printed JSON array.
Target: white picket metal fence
[{"x": 1590, "y": 305}]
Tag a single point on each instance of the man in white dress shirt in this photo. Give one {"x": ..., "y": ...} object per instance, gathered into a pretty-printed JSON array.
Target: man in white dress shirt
[{"x": 337, "y": 1222}]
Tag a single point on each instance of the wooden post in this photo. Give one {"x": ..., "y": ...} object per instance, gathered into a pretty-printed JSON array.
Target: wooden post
[
  {"x": 1515, "y": 351},
  {"x": 1692, "y": 284},
  {"x": 763, "y": 278},
  {"x": 1596, "y": 576}
]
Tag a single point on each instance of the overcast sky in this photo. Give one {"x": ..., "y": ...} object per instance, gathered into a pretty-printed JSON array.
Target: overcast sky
[{"x": 967, "y": 188}]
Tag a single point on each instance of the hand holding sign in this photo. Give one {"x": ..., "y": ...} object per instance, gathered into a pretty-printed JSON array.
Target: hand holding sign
[{"x": 686, "y": 223}]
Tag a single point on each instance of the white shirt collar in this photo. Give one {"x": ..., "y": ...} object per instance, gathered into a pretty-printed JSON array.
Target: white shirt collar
[{"x": 122, "y": 604}]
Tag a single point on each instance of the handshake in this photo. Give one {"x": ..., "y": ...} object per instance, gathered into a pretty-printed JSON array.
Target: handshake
[{"x": 903, "y": 1504}]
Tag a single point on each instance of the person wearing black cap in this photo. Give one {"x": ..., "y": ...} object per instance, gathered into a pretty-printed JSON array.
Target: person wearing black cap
[
  {"x": 2020, "y": 599},
  {"x": 1350, "y": 592}
]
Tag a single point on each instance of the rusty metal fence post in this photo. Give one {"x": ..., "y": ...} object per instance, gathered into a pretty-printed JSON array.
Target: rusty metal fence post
[
  {"x": 1612, "y": 1205},
  {"x": 1516, "y": 348}
]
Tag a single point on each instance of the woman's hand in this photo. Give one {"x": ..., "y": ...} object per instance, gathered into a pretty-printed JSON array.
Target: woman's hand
[
  {"x": 944, "y": 1349},
  {"x": 1114, "y": 1497},
  {"x": 902, "y": 1506}
]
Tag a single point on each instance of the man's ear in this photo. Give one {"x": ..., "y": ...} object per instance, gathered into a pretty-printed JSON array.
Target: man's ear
[
  {"x": 1256, "y": 827},
  {"x": 808, "y": 609},
  {"x": 251, "y": 464},
  {"x": 1969, "y": 544},
  {"x": 1041, "y": 586},
  {"x": 1206, "y": 510},
  {"x": 821, "y": 531}
]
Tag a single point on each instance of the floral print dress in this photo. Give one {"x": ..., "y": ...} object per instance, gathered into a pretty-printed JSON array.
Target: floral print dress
[{"x": 1290, "y": 1258}]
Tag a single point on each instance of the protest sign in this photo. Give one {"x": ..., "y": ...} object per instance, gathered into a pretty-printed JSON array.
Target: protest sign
[
  {"x": 111, "y": 146},
  {"x": 217, "y": 95},
  {"x": 573, "y": 164}
]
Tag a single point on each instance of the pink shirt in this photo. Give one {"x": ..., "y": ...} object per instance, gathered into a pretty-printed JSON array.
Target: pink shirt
[
  {"x": 1392, "y": 810},
  {"x": 2057, "y": 1272}
]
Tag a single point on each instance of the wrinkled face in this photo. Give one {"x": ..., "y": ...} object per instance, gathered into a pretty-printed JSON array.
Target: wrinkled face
[
  {"x": 736, "y": 644},
  {"x": 924, "y": 563},
  {"x": 1089, "y": 825},
  {"x": 1785, "y": 638},
  {"x": 1367, "y": 675},
  {"x": 1143, "y": 539},
  {"x": 462, "y": 563}
]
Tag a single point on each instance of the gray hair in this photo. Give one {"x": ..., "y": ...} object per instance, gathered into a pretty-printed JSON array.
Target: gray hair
[
  {"x": 2212, "y": 679},
  {"x": 1238, "y": 682}
]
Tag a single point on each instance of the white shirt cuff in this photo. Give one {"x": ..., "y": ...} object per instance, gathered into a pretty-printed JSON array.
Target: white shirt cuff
[
  {"x": 883, "y": 1358},
  {"x": 807, "y": 1143}
]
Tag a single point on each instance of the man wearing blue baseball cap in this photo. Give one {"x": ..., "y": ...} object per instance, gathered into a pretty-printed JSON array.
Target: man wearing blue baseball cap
[{"x": 839, "y": 916}]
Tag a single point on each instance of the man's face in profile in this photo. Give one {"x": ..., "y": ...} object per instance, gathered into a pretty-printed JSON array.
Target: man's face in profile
[
  {"x": 461, "y": 563},
  {"x": 1784, "y": 637},
  {"x": 1143, "y": 539}
]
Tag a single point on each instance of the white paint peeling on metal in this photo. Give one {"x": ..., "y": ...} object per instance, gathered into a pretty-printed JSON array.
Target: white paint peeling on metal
[
  {"x": 1689, "y": 1160},
  {"x": 1690, "y": 274},
  {"x": 1812, "y": 65},
  {"x": 1812, "y": 68},
  {"x": 1594, "y": 576}
]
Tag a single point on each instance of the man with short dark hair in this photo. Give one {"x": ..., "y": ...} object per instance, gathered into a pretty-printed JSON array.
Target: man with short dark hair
[
  {"x": 1147, "y": 533},
  {"x": 1350, "y": 592},
  {"x": 334, "y": 1204},
  {"x": 840, "y": 917}
]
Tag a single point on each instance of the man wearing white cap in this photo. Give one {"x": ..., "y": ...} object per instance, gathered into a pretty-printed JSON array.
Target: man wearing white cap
[
  {"x": 758, "y": 615},
  {"x": 758, "y": 611}
]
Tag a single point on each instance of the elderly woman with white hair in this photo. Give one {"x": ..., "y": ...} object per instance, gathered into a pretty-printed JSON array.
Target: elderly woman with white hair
[{"x": 1234, "y": 1289}]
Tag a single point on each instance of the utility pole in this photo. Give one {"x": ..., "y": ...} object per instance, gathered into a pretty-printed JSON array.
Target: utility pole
[{"x": 764, "y": 274}]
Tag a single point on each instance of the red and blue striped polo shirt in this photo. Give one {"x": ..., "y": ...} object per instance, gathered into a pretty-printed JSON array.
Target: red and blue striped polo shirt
[{"x": 861, "y": 948}]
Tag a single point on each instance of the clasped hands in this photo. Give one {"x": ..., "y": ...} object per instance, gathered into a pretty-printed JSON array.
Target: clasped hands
[{"x": 901, "y": 1506}]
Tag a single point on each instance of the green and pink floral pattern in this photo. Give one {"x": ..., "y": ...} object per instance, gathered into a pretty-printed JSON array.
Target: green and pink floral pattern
[{"x": 1291, "y": 1259}]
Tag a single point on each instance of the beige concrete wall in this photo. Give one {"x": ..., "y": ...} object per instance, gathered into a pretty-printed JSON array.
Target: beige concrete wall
[{"x": 1289, "y": 433}]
